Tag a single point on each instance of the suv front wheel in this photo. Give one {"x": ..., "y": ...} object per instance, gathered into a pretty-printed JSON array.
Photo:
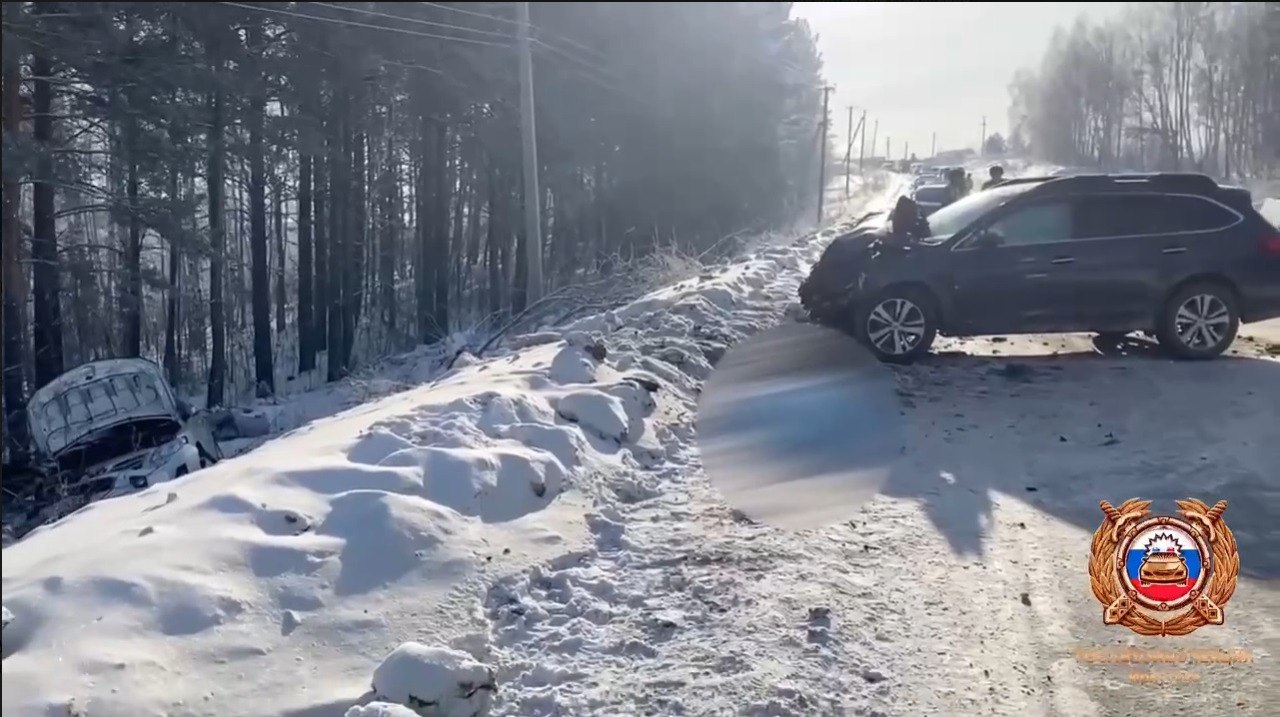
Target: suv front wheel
[
  {"x": 898, "y": 325},
  {"x": 1199, "y": 321}
]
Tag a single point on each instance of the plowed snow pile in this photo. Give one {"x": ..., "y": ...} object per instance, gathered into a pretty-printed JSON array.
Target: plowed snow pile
[{"x": 277, "y": 582}]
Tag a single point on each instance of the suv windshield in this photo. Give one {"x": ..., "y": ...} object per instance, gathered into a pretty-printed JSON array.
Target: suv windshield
[{"x": 959, "y": 214}]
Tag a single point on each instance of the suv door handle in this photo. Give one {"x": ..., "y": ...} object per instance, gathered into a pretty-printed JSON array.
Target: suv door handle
[
  {"x": 1174, "y": 250},
  {"x": 1063, "y": 260}
]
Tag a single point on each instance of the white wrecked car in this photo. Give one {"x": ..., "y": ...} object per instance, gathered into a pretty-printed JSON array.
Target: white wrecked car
[{"x": 112, "y": 427}]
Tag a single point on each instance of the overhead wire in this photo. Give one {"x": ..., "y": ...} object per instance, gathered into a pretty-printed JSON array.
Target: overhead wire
[
  {"x": 368, "y": 26},
  {"x": 499, "y": 18},
  {"x": 417, "y": 21},
  {"x": 588, "y": 68},
  {"x": 585, "y": 68}
]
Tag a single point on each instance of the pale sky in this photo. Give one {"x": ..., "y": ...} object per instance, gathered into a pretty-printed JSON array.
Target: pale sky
[{"x": 925, "y": 67}]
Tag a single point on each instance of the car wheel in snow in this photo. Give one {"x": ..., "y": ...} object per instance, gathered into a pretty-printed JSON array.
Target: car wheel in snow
[
  {"x": 1199, "y": 321},
  {"x": 898, "y": 325}
]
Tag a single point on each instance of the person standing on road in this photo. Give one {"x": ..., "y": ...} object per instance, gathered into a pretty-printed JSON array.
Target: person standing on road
[
  {"x": 956, "y": 184},
  {"x": 997, "y": 176},
  {"x": 906, "y": 223}
]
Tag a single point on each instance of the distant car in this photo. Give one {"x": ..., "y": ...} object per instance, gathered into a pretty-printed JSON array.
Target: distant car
[
  {"x": 931, "y": 197},
  {"x": 1176, "y": 255},
  {"x": 107, "y": 428},
  {"x": 889, "y": 166},
  {"x": 923, "y": 179}
]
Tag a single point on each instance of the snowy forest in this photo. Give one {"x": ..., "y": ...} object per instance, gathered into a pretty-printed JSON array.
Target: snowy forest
[
  {"x": 250, "y": 192},
  {"x": 1166, "y": 86}
]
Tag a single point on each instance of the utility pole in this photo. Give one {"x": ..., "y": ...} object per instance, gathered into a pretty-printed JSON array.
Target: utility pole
[
  {"x": 933, "y": 145},
  {"x": 532, "y": 199},
  {"x": 888, "y": 157},
  {"x": 982, "y": 141},
  {"x": 848, "y": 153},
  {"x": 906, "y": 147},
  {"x": 875, "y": 134},
  {"x": 822, "y": 160},
  {"x": 862, "y": 141}
]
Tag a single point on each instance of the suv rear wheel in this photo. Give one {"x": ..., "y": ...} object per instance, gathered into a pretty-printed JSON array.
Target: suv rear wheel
[
  {"x": 898, "y": 325},
  {"x": 1199, "y": 321}
]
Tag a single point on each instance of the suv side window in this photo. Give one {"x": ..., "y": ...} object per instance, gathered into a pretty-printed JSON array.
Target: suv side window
[
  {"x": 1121, "y": 215},
  {"x": 1127, "y": 215},
  {"x": 1196, "y": 214},
  {"x": 1039, "y": 223}
]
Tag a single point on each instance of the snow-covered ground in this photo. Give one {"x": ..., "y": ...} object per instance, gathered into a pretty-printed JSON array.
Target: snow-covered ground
[{"x": 532, "y": 534}]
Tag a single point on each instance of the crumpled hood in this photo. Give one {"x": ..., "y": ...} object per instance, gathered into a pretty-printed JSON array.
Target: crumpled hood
[
  {"x": 838, "y": 265},
  {"x": 95, "y": 396}
]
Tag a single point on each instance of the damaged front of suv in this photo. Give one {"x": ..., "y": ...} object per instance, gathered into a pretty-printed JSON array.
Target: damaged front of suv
[
  {"x": 848, "y": 282},
  {"x": 108, "y": 428}
]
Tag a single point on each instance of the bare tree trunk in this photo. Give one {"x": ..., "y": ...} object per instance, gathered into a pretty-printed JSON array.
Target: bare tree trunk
[
  {"x": 306, "y": 327},
  {"x": 422, "y": 270},
  {"x": 355, "y": 248},
  {"x": 217, "y": 248},
  {"x": 15, "y": 280},
  {"x": 45, "y": 271},
  {"x": 280, "y": 256},
  {"x": 321, "y": 189},
  {"x": 263, "y": 367},
  {"x": 338, "y": 185},
  {"x": 175, "y": 266},
  {"x": 390, "y": 232},
  {"x": 440, "y": 224},
  {"x": 493, "y": 254},
  {"x": 131, "y": 306}
]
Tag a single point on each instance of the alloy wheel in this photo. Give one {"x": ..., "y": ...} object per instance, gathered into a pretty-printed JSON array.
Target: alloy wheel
[
  {"x": 1202, "y": 321},
  {"x": 896, "y": 326}
]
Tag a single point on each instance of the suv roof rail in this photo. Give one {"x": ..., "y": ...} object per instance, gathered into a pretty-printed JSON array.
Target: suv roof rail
[
  {"x": 1024, "y": 180},
  {"x": 1167, "y": 181}
]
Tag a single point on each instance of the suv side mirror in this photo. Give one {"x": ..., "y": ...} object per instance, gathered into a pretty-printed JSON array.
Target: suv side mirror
[{"x": 185, "y": 412}]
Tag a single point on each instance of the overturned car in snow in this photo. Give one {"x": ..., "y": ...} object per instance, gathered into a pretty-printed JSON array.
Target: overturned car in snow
[{"x": 103, "y": 429}]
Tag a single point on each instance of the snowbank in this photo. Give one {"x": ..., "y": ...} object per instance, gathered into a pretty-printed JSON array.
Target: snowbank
[
  {"x": 1271, "y": 210},
  {"x": 313, "y": 553},
  {"x": 434, "y": 681}
]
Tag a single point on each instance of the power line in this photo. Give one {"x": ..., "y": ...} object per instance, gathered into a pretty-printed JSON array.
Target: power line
[
  {"x": 473, "y": 13},
  {"x": 499, "y": 18},
  {"x": 431, "y": 23},
  {"x": 353, "y": 23},
  {"x": 589, "y": 68},
  {"x": 337, "y": 21}
]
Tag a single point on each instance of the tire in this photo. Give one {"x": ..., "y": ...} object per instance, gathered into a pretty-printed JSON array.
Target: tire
[
  {"x": 898, "y": 325},
  {"x": 1198, "y": 321}
]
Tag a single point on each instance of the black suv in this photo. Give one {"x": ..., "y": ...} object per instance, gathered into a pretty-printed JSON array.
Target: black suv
[{"x": 1173, "y": 254}]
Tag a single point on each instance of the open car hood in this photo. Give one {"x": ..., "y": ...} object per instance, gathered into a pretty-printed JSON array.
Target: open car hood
[{"x": 98, "y": 395}]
